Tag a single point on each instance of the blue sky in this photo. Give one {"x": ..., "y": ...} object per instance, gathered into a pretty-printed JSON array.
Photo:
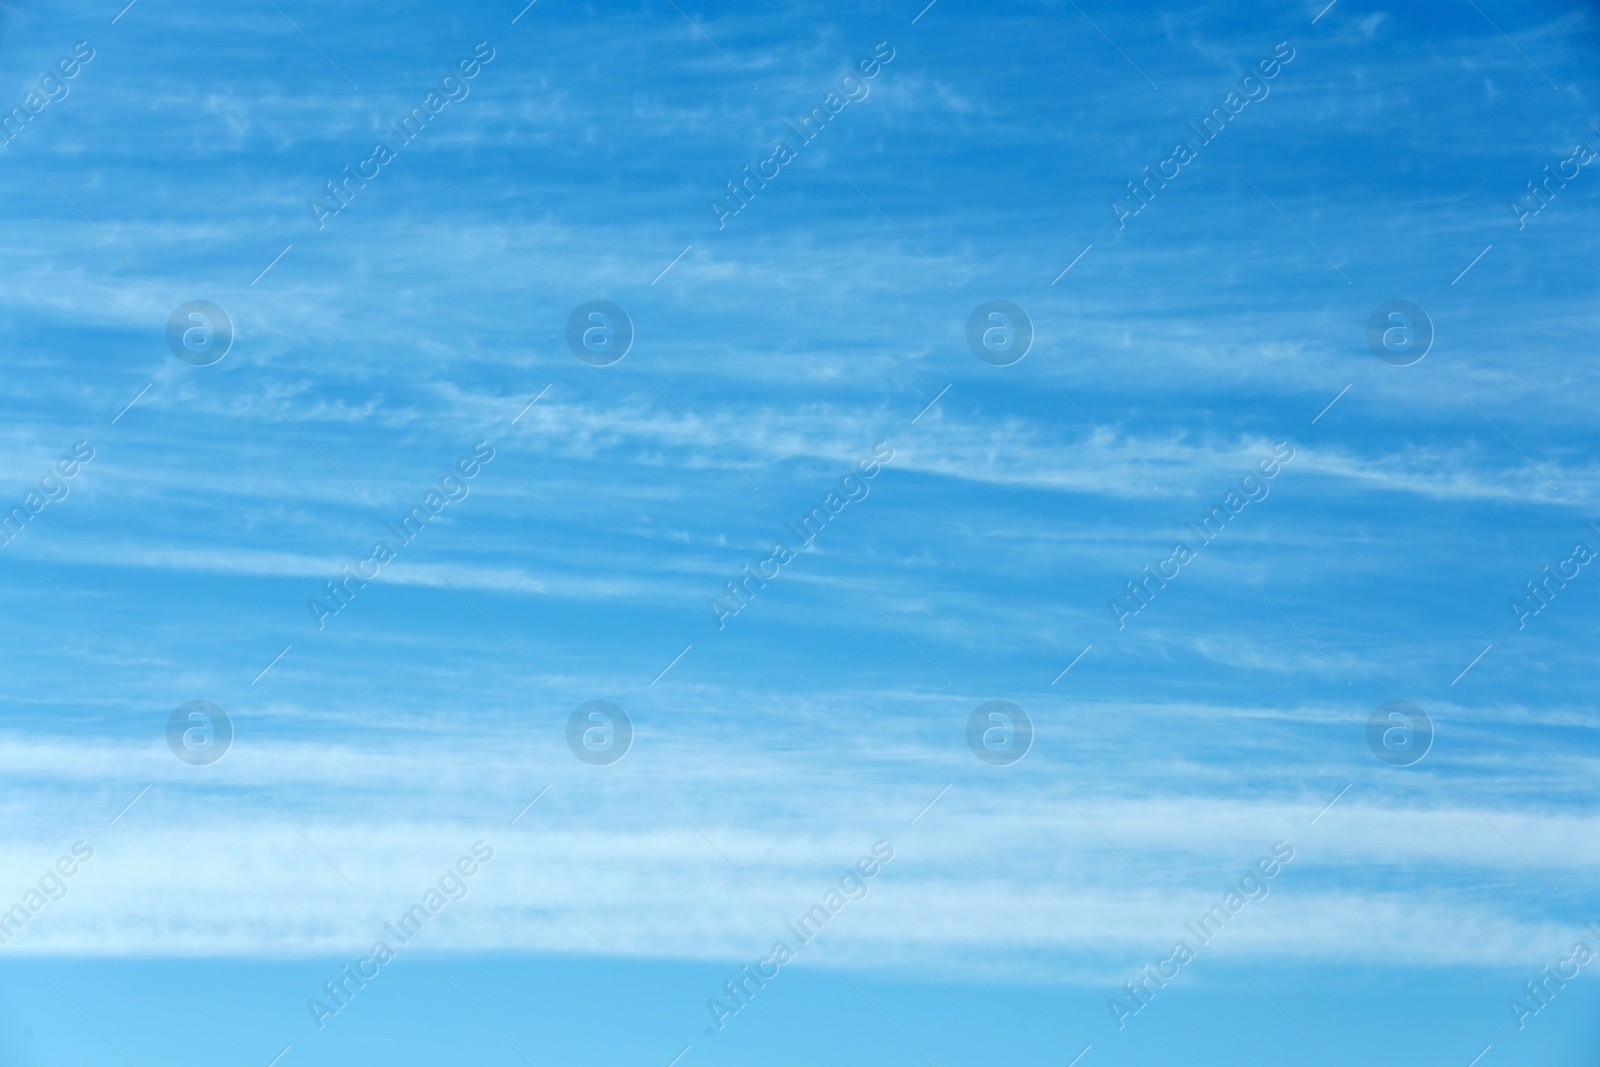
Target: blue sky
[{"x": 381, "y": 351}]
